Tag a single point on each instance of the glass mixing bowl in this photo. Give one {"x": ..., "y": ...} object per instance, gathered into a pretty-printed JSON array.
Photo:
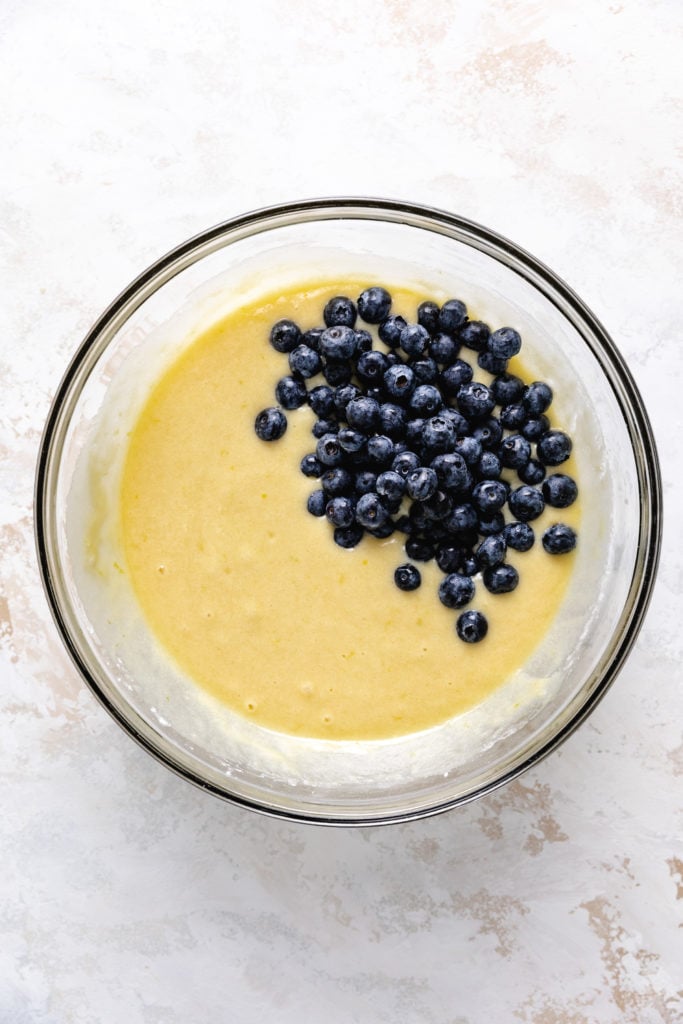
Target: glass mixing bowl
[{"x": 370, "y": 782}]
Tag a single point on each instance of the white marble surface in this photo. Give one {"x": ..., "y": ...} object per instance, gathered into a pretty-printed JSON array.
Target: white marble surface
[{"x": 127, "y": 895}]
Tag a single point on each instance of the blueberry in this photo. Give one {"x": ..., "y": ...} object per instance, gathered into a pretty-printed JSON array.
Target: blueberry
[
  {"x": 488, "y": 467},
  {"x": 414, "y": 340},
  {"x": 452, "y": 472},
  {"x": 407, "y": 577},
  {"x": 454, "y": 376},
  {"x": 438, "y": 506},
  {"x": 443, "y": 349},
  {"x": 537, "y": 397},
  {"x": 438, "y": 434},
  {"x": 469, "y": 448},
  {"x": 559, "y": 490},
  {"x": 475, "y": 400},
  {"x": 391, "y": 485},
  {"x": 526, "y": 503},
  {"x": 371, "y": 367},
  {"x": 428, "y": 316},
  {"x": 414, "y": 429},
  {"x": 470, "y": 565},
  {"x": 374, "y": 305},
  {"x": 421, "y": 483},
  {"x": 336, "y": 481},
  {"x": 304, "y": 361},
  {"x": 338, "y": 342},
  {"x": 370, "y": 512},
  {"x": 456, "y": 419},
  {"x": 492, "y": 550},
  {"x": 321, "y": 400},
  {"x": 452, "y": 315},
  {"x": 425, "y": 400},
  {"x": 392, "y": 420},
  {"x": 535, "y": 427},
  {"x": 363, "y": 341},
  {"x": 463, "y": 518},
  {"x": 494, "y": 365},
  {"x": 317, "y": 503},
  {"x": 365, "y": 481},
  {"x": 390, "y": 330},
  {"x": 312, "y": 338},
  {"x": 399, "y": 382},
  {"x": 310, "y": 466},
  {"x": 426, "y": 371},
  {"x": 553, "y": 448},
  {"x": 285, "y": 335},
  {"x": 474, "y": 334},
  {"x": 348, "y": 536},
  {"x": 405, "y": 463},
  {"x": 351, "y": 440},
  {"x": 383, "y": 530},
  {"x": 456, "y": 590},
  {"x": 321, "y": 427},
  {"x": 328, "y": 450},
  {"x": 559, "y": 539},
  {"x": 340, "y": 511},
  {"x": 489, "y": 496},
  {"x": 532, "y": 473},
  {"x": 519, "y": 536},
  {"x": 504, "y": 343},
  {"x": 270, "y": 424},
  {"x": 491, "y": 523},
  {"x": 513, "y": 416},
  {"x": 449, "y": 558},
  {"x": 344, "y": 394},
  {"x": 515, "y": 451},
  {"x": 507, "y": 389},
  {"x": 363, "y": 414},
  {"x": 471, "y": 627},
  {"x": 291, "y": 393},
  {"x": 501, "y": 579},
  {"x": 489, "y": 432},
  {"x": 380, "y": 449},
  {"x": 420, "y": 549},
  {"x": 337, "y": 372},
  {"x": 339, "y": 312}
]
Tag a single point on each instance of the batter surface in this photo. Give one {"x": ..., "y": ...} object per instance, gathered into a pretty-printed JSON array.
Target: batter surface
[{"x": 248, "y": 593}]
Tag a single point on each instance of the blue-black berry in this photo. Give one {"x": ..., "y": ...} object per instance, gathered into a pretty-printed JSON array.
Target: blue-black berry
[
  {"x": 456, "y": 590},
  {"x": 374, "y": 305},
  {"x": 471, "y": 627},
  {"x": 559, "y": 539},
  {"x": 340, "y": 312},
  {"x": 407, "y": 577},
  {"x": 270, "y": 424}
]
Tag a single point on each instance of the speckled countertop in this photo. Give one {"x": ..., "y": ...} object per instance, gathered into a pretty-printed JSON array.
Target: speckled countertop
[{"x": 126, "y": 894}]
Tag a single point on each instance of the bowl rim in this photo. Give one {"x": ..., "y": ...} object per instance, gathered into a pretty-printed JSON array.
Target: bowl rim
[{"x": 461, "y": 229}]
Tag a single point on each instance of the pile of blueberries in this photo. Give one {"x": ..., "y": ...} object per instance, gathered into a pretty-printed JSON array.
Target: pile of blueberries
[{"x": 408, "y": 440}]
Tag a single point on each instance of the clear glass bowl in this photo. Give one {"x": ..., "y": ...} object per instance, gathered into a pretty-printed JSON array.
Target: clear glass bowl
[{"x": 365, "y": 782}]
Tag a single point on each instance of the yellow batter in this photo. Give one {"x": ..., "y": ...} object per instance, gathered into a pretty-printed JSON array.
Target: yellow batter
[{"x": 248, "y": 592}]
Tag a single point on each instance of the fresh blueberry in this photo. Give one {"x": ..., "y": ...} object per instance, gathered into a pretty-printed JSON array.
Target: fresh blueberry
[
  {"x": 488, "y": 467},
  {"x": 471, "y": 627},
  {"x": 438, "y": 435},
  {"x": 328, "y": 450},
  {"x": 344, "y": 394},
  {"x": 456, "y": 590},
  {"x": 363, "y": 341},
  {"x": 339, "y": 312},
  {"x": 438, "y": 506},
  {"x": 501, "y": 579},
  {"x": 340, "y": 511},
  {"x": 317, "y": 503},
  {"x": 425, "y": 400},
  {"x": 492, "y": 550},
  {"x": 337, "y": 372},
  {"x": 553, "y": 448},
  {"x": 312, "y": 338},
  {"x": 370, "y": 512},
  {"x": 351, "y": 440},
  {"x": 304, "y": 361},
  {"x": 321, "y": 400},
  {"x": 519, "y": 536},
  {"x": 407, "y": 577},
  {"x": 452, "y": 315},
  {"x": 559, "y": 490},
  {"x": 365, "y": 481},
  {"x": 392, "y": 420},
  {"x": 428, "y": 316},
  {"x": 426, "y": 371},
  {"x": 371, "y": 367},
  {"x": 321, "y": 427},
  {"x": 470, "y": 565},
  {"x": 526, "y": 503},
  {"x": 489, "y": 496},
  {"x": 285, "y": 335},
  {"x": 454, "y": 375},
  {"x": 291, "y": 393},
  {"x": 507, "y": 389},
  {"x": 374, "y": 305},
  {"x": 405, "y": 463},
  {"x": 336, "y": 481},
  {"x": 399, "y": 382},
  {"x": 537, "y": 397},
  {"x": 469, "y": 448},
  {"x": 494, "y": 365},
  {"x": 421, "y": 483},
  {"x": 310, "y": 466},
  {"x": 474, "y": 334},
  {"x": 515, "y": 451},
  {"x": 463, "y": 518},
  {"x": 414, "y": 340},
  {"x": 348, "y": 536},
  {"x": 338, "y": 342},
  {"x": 513, "y": 416},
  {"x": 452, "y": 472},
  {"x": 535, "y": 427},
  {"x": 456, "y": 419},
  {"x": 491, "y": 523},
  {"x": 532, "y": 473},
  {"x": 449, "y": 558},
  {"x": 383, "y": 530},
  {"x": 489, "y": 432},
  {"x": 475, "y": 400},
  {"x": 380, "y": 450},
  {"x": 391, "y": 485},
  {"x": 363, "y": 414},
  {"x": 414, "y": 429},
  {"x": 559, "y": 539},
  {"x": 443, "y": 348},
  {"x": 504, "y": 343},
  {"x": 420, "y": 549},
  {"x": 270, "y": 424},
  {"x": 390, "y": 330}
]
